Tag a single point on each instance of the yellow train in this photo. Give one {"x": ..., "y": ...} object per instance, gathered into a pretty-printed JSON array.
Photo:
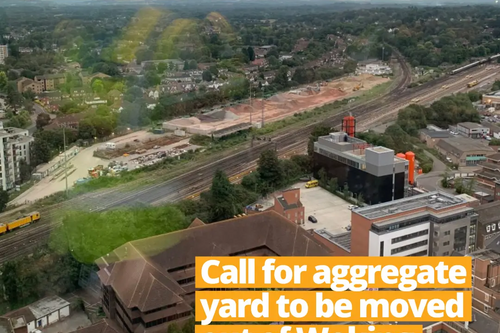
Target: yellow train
[{"x": 20, "y": 222}]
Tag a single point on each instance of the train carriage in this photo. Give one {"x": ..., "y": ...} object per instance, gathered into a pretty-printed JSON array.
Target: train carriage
[
  {"x": 23, "y": 221},
  {"x": 3, "y": 228}
]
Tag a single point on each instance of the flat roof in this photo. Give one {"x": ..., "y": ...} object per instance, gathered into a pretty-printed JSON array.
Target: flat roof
[
  {"x": 462, "y": 145},
  {"x": 485, "y": 254},
  {"x": 341, "y": 240},
  {"x": 470, "y": 125},
  {"x": 48, "y": 305},
  {"x": 434, "y": 200}
]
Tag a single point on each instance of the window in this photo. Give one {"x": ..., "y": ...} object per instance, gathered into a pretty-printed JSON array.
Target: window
[
  {"x": 486, "y": 297},
  {"x": 409, "y": 247},
  {"x": 488, "y": 228},
  {"x": 446, "y": 243},
  {"x": 381, "y": 249},
  {"x": 447, "y": 233},
  {"x": 410, "y": 236},
  {"x": 493, "y": 227},
  {"x": 446, "y": 253}
]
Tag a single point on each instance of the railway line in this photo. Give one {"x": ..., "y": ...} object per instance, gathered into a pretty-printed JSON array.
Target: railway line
[{"x": 197, "y": 180}]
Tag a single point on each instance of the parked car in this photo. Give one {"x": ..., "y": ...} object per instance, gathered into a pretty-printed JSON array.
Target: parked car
[
  {"x": 351, "y": 207},
  {"x": 312, "y": 219}
]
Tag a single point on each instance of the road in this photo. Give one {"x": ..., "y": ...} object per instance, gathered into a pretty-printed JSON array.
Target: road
[
  {"x": 194, "y": 181},
  {"x": 432, "y": 181},
  {"x": 37, "y": 110}
]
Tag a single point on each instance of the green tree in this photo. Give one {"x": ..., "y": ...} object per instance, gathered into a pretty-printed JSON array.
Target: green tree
[
  {"x": 162, "y": 67},
  {"x": 189, "y": 326},
  {"x": 333, "y": 185},
  {"x": 3, "y": 80},
  {"x": 86, "y": 130},
  {"x": 40, "y": 151},
  {"x": 14, "y": 98},
  {"x": 318, "y": 131},
  {"x": 323, "y": 177},
  {"x": 207, "y": 76},
  {"x": 10, "y": 280},
  {"x": 43, "y": 119},
  {"x": 221, "y": 198},
  {"x": 97, "y": 86},
  {"x": 281, "y": 78},
  {"x": 251, "y": 53},
  {"x": 270, "y": 171},
  {"x": 174, "y": 328},
  {"x": 4, "y": 199},
  {"x": 24, "y": 170}
]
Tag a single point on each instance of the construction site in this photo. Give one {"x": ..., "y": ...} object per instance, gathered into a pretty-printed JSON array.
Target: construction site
[{"x": 245, "y": 115}]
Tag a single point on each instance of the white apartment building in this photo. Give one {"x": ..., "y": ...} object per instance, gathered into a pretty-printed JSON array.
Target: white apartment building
[
  {"x": 430, "y": 224},
  {"x": 4, "y": 53},
  {"x": 15, "y": 145}
]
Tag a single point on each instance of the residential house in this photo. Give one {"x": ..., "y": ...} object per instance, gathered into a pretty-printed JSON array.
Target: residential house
[
  {"x": 300, "y": 45},
  {"x": 259, "y": 62},
  {"x": 288, "y": 204},
  {"x": 464, "y": 152},
  {"x": 51, "y": 81},
  {"x": 261, "y": 51},
  {"x": 48, "y": 97},
  {"x": 24, "y": 84},
  {"x": 40, "y": 314},
  {"x": 26, "y": 50},
  {"x": 69, "y": 121},
  {"x": 153, "y": 94},
  {"x": 205, "y": 66},
  {"x": 82, "y": 92},
  {"x": 178, "y": 77},
  {"x": 95, "y": 102}
]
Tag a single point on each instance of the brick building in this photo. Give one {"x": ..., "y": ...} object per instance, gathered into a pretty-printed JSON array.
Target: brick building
[
  {"x": 486, "y": 279},
  {"x": 288, "y": 204},
  {"x": 148, "y": 284},
  {"x": 490, "y": 171},
  {"x": 488, "y": 228}
]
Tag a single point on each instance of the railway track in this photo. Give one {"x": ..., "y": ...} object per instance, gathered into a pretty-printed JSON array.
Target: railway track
[{"x": 195, "y": 181}]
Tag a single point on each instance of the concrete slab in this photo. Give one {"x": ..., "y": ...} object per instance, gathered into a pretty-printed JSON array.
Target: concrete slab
[
  {"x": 69, "y": 324},
  {"x": 330, "y": 211}
]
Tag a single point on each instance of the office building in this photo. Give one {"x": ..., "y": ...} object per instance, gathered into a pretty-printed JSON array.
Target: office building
[
  {"x": 488, "y": 226},
  {"x": 472, "y": 130},
  {"x": 374, "y": 173},
  {"x": 4, "y": 53},
  {"x": 15, "y": 145},
  {"x": 148, "y": 284},
  {"x": 431, "y": 224}
]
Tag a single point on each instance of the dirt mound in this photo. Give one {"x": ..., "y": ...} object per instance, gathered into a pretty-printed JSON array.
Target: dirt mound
[{"x": 277, "y": 98}]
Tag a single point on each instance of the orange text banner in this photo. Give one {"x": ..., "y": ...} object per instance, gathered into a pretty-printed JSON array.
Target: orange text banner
[
  {"x": 309, "y": 329},
  {"x": 404, "y": 273},
  {"x": 322, "y": 306}
]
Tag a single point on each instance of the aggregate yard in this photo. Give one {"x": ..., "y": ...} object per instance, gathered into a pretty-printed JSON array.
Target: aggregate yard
[{"x": 278, "y": 106}]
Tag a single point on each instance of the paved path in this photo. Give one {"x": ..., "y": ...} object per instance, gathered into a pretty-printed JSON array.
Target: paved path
[{"x": 432, "y": 181}]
